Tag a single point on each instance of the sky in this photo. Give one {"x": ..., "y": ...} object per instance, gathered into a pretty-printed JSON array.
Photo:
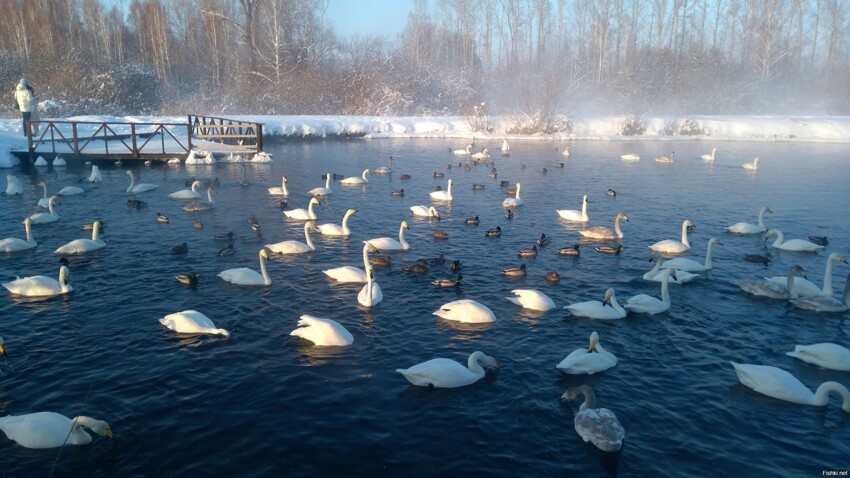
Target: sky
[{"x": 384, "y": 18}]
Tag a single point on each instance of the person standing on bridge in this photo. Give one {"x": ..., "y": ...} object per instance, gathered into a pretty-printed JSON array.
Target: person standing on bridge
[{"x": 26, "y": 101}]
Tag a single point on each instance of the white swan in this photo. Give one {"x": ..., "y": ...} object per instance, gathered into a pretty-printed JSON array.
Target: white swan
[
  {"x": 463, "y": 152},
  {"x": 322, "y": 332},
  {"x": 599, "y": 426},
  {"x": 247, "y": 276},
  {"x": 349, "y": 274},
  {"x": 279, "y": 191},
  {"x": 670, "y": 246},
  {"x": 384, "y": 169},
  {"x": 690, "y": 265},
  {"x": 574, "y": 215},
  {"x": 666, "y": 159},
  {"x": 384, "y": 244},
  {"x": 680, "y": 277},
  {"x": 443, "y": 195},
  {"x": 446, "y": 373},
  {"x": 826, "y": 355},
  {"x": 807, "y": 288},
  {"x": 191, "y": 322},
  {"x": 303, "y": 214},
  {"x": 70, "y": 191},
  {"x": 824, "y": 303},
  {"x": 43, "y": 202},
  {"x": 532, "y": 299},
  {"x": 371, "y": 293},
  {"x": 425, "y": 211},
  {"x": 355, "y": 180},
  {"x": 81, "y": 246},
  {"x": 514, "y": 201},
  {"x": 51, "y": 430},
  {"x": 187, "y": 193},
  {"x": 630, "y": 157},
  {"x": 747, "y": 228},
  {"x": 13, "y": 185},
  {"x": 199, "y": 206},
  {"x": 295, "y": 247},
  {"x": 481, "y": 155},
  {"x": 322, "y": 191},
  {"x": 709, "y": 157},
  {"x": 608, "y": 309},
  {"x": 59, "y": 161},
  {"x": 134, "y": 188},
  {"x": 96, "y": 176},
  {"x": 335, "y": 230},
  {"x": 506, "y": 148},
  {"x": 467, "y": 311},
  {"x": 566, "y": 151},
  {"x": 40, "y": 286},
  {"x": 584, "y": 361},
  {"x": 46, "y": 217},
  {"x": 753, "y": 166},
  {"x": 646, "y": 304},
  {"x": 777, "y": 383},
  {"x": 766, "y": 288},
  {"x": 600, "y": 232},
  {"x": 13, "y": 244},
  {"x": 796, "y": 245}
]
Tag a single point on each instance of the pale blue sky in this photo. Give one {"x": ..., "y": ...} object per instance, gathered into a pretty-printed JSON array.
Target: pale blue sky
[{"x": 384, "y": 18}]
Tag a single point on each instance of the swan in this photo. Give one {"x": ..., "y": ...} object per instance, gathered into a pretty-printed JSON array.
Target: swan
[
  {"x": 766, "y": 288},
  {"x": 481, "y": 155},
  {"x": 566, "y": 151},
  {"x": 656, "y": 275},
  {"x": 753, "y": 166},
  {"x": 51, "y": 430},
  {"x": 13, "y": 186},
  {"x": 279, "y": 191},
  {"x": 747, "y": 228},
  {"x": 246, "y": 276},
  {"x": 13, "y": 244},
  {"x": 532, "y": 299},
  {"x": 295, "y": 247},
  {"x": 40, "y": 286},
  {"x": 384, "y": 169},
  {"x": 690, "y": 265},
  {"x": 2, "y": 347},
  {"x": 187, "y": 193},
  {"x": 463, "y": 152},
  {"x": 191, "y": 322},
  {"x": 70, "y": 191},
  {"x": 600, "y": 232},
  {"x": 646, "y": 304},
  {"x": 823, "y": 303},
  {"x": 467, "y": 311},
  {"x": 630, "y": 157},
  {"x": 96, "y": 176},
  {"x": 777, "y": 383},
  {"x": 335, "y": 230},
  {"x": 574, "y": 215},
  {"x": 514, "y": 201},
  {"x": 506, "y": 148},
  {"x": 709, "y": 157},
  {"x": 389, "y": 244},
  {"x": 599, "y": 426},
  {"x": 351, "y": 274},
  {"x": 425, "y": 211},
  {"x": 322, "y": 332},
  {"x": 355, "y": 180},
  {"x": 81, "y": 246},
  {"x": 42, "y": 203},
  {"x": 138, "y": 188},
  {"x": 608, "y": 309},
  {"x": 807, "y": 288},
  {"x": 584, "y": 361},
  {"x": 796, "y": 245},
  {"x": 443, "y": 195},
  {"x": 322, "y": 191},
  {"x": 199, "y": 206},
  {"x": 46, "y": 217},
  {"x": 826, "y": 355},
  {"x": 446, "y": 373},
  {"x": 302, "y": 214},
  {"x": 371, "y": 293},
  {"x": 666, "y": 159},
  {"x": 669, "y": 246}
]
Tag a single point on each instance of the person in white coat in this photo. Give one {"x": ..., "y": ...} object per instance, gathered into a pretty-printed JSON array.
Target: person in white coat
[{"x": 26, "y": 101}]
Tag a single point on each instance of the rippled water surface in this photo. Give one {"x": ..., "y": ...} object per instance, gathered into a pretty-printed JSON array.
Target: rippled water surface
[{"x": 264, "y": 403}]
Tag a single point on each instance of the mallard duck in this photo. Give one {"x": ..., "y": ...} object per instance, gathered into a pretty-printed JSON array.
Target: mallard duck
[
  {"x": 496, "y": 232},
  {"x": 758, "y": 258},
  {"x": 257, "y": 237},
  {"x": 544, "y": 170},
  {"x": 456, "y": 265},
  {"x": 611, "y": 192},
  {"x": 283, "y": 204},
  {"x": 509, "y": 214},
  {"x": 419, "y": 268},
  {"x": 438, "y": 174},
  {"x": 438, "y": 234},
  {"x": 223, "y": 237},
  {"x": 400, "y": 192},
  {"x": 381, "y": 261},
  {"x": 478, "y": 187},
  {"x": 90, "y": 226},
  {"x": 197, "y": 224},
  {"x": 472, "y": 220},
  {"x": 610, "y": 249},
  {"x": 404, "y": 176},
  {"x": 528, "y": 252},
  {"x": 437, "y": 260},
  {"x": 559, "y": 165},
  {"x": 570, "y": 250},
  {"x": 181, "y": 249},
  {"x": 448, "y": 282},
  {"x": 136, "y": 203},
  {"x": 227, "y": 251},
  {"x": 493, "y": 174},
  {"x": 510, "y": 191},
  {"x": 187, "y": 279},
  {"x": 543, "y": 240},
  {"x": 553, "y": 277},
  {"x": 514, "y": 271},
  {"x": 161, "y": 218},
  {"x": 504, "y": 184}
]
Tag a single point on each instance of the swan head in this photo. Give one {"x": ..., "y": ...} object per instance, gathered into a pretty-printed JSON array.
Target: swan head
[
  {"x": 63, "y": 275},
  {"x": 594, "y": 341},
  {"x": 264, "y": 254},
  {"x": 837, "y": 257},
  {"x": 689, "y": 224},
  {"x": 622, "y": 215},
  {"x": 609, "y": 294},
  {"x": 770, "y": 233},
  {"x": 314, "y": 201},
  {"x": 98, "y": 426},
  {"x": 798, "y": 271},
  {"x": 434, "y": 212},
  {"x": 404, "y": 225},
  {"x": 584, "y": 200},
  {"x": 714, "y": 240}
]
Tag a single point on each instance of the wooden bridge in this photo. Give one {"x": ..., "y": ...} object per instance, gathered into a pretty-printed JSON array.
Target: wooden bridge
[{"x": 93, "y": 140}]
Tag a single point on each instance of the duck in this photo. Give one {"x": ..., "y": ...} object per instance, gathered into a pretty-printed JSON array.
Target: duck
[
  {"x": 600, "y": 232},
  {"x": 81, "y": 246},
  {"x": 807, "y": 288},
  {"x": 752, "y": 166},
  {"x": 161, "y": 218},
  {"x": 473, "y": 221},
  {"x": 14, "y": 187},
  {"x": 353, "y": 181},
  {"x": 819, "y": 240},
  {"x": 295, "y": 247},
  {"x": 758, "y": 258},
  {"x": 136, "y": 203},
  {"x": 670, "y": 246},
  {"x": 646, "y": 304},
  {"x": 611, "y": 192},
  {"x": 777, "y": 383},
  {"x": 443, "y": 195},
  {"x": 795, "y": 245},
  {"x": 302, "y": 214},
  {"x": 766, "y": 288},
  {"x": 371, "y": 293},
  {"x": 225, "y": 252},
  {"x": 824, "y": 303},
  {"x": 630, "y": 157},
  {"x": 560, "y": 165},
  {"x": 448, "y": 282},
  {"x": 223, "y": 237},
  {"x": 509, "y": 214},
  {"x": 13, "y": 244},
  {"x": 747, "y": 228},
  {"x": 570, "y": 250},
  {"x": 337, "y": 230},
  {"x": 47, "y": 217},
  {"x": 200, "y": 206},
  {"x": 425, "y": 211},
  {"x": 384, "y": 169},
  {"x": 134, "y": 188},
  {"x": 325, "y": 191},
  {"x": 247, "y": 276},
  {"x": 478, "y": 187},
  {"x": 583, "y": 360},
  {"x": 439, "y": 234},
  {"x": 709, "y": 157},
  {"x": 514, "y": 201},
  {"x": 322, "y": 332},
  {"x": 573, "y": 215},
  {"x": 380, "y": 261},
  {"x": 384, "y": 244},
  {"x": 598, "y": 426},
  {"x": 51, "y": 430},
  {"x": 463, "y": 152},
  {"x": 514, "y": 271},
  {"x": 610, "y": 249},
  {"x": 399, "y": 193},
  {"x": 187, "y": 193},
  {"x": 544, "y": 170},
  {"x": 40, "y": 286},
  {"x": 181, "y": 249},
  {"x": 404, "y": 176},
  {"x": 419, "y": 268},
  {"x": 446, "y": 373},
  {"x": 532, "y": 299},
  {"x": 666, "y": 159},
  {"x": 825, "y": 355},
  {"x": 542, "y": 240},
  {"x": 656, "y": 274},
  {"x": 279, "y": 191},
  {"x": 438, "y": 174},
  {"x": 608, "y": 309},
  {"x": 690, "y": 265},
  {"x": 553, "y": 277},
  {"x": 528, "y": 252},
  {"x": 187, "y": 279}
]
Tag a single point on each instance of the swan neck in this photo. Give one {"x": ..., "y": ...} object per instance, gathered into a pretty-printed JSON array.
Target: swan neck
[
  {"x": 345, "y": 224},
  {"x": 401, "y": 240},
  {"x": 761, "y": 218},
  {"x": 366, "y": 258},
  {"x": 328, "y": 181},
  {"x": 518, "y": 189},
  {"x": 195, "y": 186},
  {"x": 616, "y": 305},
  {"x": 209, "y": 196},
  {"x": 617, "y": 230},
  {"x": 28, "y": 229},
  {"x": 685, "y": 234},
  {"x": 368, "y": 287},
  {"x": 132, "y": 181},
  {"x": 708, "y": 255},
  {"x": 821, "y": 397},
  {"x": 589, "y": 397},
  {"x": 95, "y": 232},
  {"x": 789, "y": 284},
  {"x": 63, "y": 279},
  {"x": 474, "y": 366},
  {"x": 310, "y": 212},
  {"x": 827, "y": 276},
  {"x": 50, "y": 206},
  {"x": 307, "y": 237},
  {"x": 44, "y": 186},
  {"x": 665, "y": 288},
  {"x": 266, "y": 279},
  {"x": 584, "y": 208}
]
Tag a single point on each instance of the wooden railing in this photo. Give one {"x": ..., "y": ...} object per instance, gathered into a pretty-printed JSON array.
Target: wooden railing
[
  {"x": 116, "y": 133},
  {"x": 228, "y": 133}
]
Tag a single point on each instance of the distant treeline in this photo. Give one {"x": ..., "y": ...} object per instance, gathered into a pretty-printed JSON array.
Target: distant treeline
[{"x": 537, "y": 58}]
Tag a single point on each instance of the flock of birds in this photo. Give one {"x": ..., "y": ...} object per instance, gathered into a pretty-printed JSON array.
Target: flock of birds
[{"x": 594, "y": 424}]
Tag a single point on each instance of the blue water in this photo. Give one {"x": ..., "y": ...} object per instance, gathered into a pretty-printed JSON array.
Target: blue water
[{"x": 263, "y": 403}]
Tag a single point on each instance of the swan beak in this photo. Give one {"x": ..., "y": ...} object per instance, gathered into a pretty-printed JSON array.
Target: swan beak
[
  {"x": 2, "y": 350},
  {"x": 109, "y": 433}
]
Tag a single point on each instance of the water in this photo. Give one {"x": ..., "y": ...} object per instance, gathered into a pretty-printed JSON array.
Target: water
[{"x": 263, "y": 403}]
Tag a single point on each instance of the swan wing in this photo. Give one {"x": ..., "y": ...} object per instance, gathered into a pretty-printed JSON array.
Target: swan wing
[
  {"x": 35, "y": 286},
  {"x": 38, "y": 430},
  {"x": 466, "y": 310},
  {"x": 764, "y": 288},
  {"x": 80, "y": 246},
  {"x": 242, "y": 276},
  {"x": 744, "y": 228},
  {"x": 331, "y": 230},
  {"x": 571, "y": 215},
  {"x": 826, "y": 355},
  {"x": 773, "y": 382},
  {"x": 799, "y": 245},
  {"x": 386, "y": 244},
  {"x": 13, "y": 244},
  {"x": 601, "y": 427},
  {"x": 322, "y": 332},
  {"x": 645, "y": 304},
  {"x": 347, "y": 274},
  {"x": 377, "y": 294},
  {"x": 439, "y": 373},
  {"x": 288, "y": 247},
  {"x": 669, "y": 246},
  {"x": 191, "y": 322},
  {"x": 532, "y": 299},
  {"x": 820, "y": 303},
  {"x": 683, "y": 264},
  {"x": 581, "y": 361},
  {"x": 803, "y": 287},
  {"x": 598, "y": 232}
]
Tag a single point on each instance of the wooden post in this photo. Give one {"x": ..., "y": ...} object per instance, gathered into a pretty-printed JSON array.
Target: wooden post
[
  {"x": 133, "y": 137},
  {"x": 76, "y": 140},
  {"x": 189, "y": 130},
  {"x": 259, "y": 137},
  {"x": 105, "y": 138}
]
